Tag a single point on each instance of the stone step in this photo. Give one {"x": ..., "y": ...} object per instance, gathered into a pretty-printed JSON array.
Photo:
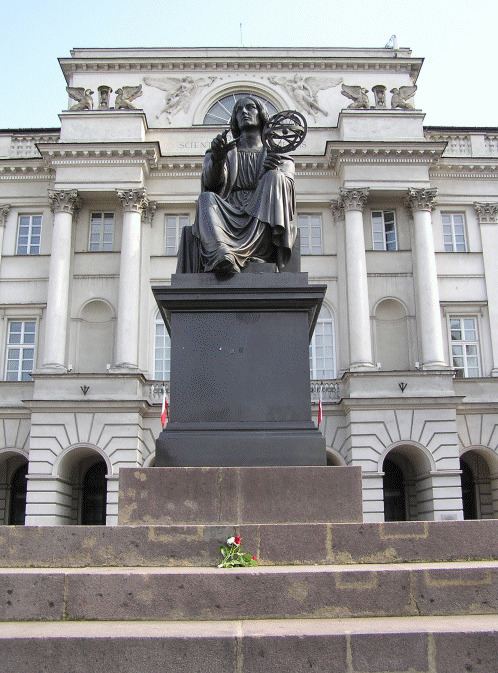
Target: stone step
[
  {"x": 467, "y": 644},
  {"x": 303, "y": 592},
  {"x": 286, "y": 544}
]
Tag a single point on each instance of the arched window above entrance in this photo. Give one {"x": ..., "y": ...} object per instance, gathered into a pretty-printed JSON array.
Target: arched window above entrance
[{"x": 220, "y": 112}]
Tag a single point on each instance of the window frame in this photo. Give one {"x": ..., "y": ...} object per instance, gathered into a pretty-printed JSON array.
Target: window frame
[
  {"x": 451, "y": 214},
  {"x": 463, "y": 342},
  {"x": 165, "y": 371},
  {"x": 102, "y": 232},
  {"x": 178, "y": 229},
  {"x": 330, "y": 320},
  {"x": 31, "y": 249},
  {"x": 21, "y": 347},
  {"x": 384, "y": 233},
  {"x": 306, "y": 231}
]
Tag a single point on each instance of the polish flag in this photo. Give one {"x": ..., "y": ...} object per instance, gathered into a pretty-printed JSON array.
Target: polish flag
[
  {"x": 164, "y": 410},
  {"x": 320, "y": 409}
]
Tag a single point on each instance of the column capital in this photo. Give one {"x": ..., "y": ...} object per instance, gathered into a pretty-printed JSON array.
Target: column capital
[
  {"x": 353, "y": 199},
  {"x": 487, "y": 213},
  {"x": 148, "y": 212},
  {"x": 63, "y": 200},
  {"x": 4, "y": 211},
  {"x": 133, "y": 200},
  {"x": 337, "y": 209},
  {"x": 421, "y": 199}
]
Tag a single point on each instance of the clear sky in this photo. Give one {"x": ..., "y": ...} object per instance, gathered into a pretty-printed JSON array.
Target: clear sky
[{"x": 457, "y": 38}]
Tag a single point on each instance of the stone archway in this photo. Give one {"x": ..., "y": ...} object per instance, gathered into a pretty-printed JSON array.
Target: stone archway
[
  {"x": 407, "y": 484},
  {"x": 479, "y": 477},
  {"x": 13, "y": 471}
]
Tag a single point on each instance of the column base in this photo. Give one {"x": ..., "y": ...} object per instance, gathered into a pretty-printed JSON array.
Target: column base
[
  {"x": 494, "y": 372},
  {"x": 362, "y": 367},
  {"x": 51, "y": 368},
  {"x": 434, "y": 366},
  {"x": 123, "y": 368}
]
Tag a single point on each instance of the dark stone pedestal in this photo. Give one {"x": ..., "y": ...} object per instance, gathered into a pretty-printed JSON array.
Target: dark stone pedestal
[
  {"x": 239, "y": 496},
  {"x": 240, "y": 387}
]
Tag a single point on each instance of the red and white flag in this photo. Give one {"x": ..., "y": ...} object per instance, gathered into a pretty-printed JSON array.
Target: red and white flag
[
  {"x": 320, "y": 409},
  {"x": 164, "y": 410}
]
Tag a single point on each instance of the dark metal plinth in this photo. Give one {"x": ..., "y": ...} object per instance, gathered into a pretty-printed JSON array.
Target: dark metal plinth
[{"x": 240, "y": 387}]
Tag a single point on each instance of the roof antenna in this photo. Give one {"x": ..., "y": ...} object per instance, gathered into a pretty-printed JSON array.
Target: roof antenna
[
  {"x": 392, "y": 43},
  {"x": 241, "y": 39}
]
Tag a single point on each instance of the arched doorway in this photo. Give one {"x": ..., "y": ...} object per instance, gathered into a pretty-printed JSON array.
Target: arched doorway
[
  {"x": 407, "y": 484},
  {"x": 13, "y": 486},
  {"x": 478, "y": 467},
  {"x": 83, "y": 471},
  {"x": 94, "y": 495},
  {"x": 395, "y": 495},
  {"x": 18, "y": 488}
]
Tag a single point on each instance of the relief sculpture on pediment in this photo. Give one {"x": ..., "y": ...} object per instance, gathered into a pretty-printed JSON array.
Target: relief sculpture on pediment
[
  {"x": 304, "y": 90},
  {"x": 179, "y": 92}
]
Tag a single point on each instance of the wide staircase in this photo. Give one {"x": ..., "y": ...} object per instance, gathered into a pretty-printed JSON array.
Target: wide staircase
[{"x": 326, "y": 597}]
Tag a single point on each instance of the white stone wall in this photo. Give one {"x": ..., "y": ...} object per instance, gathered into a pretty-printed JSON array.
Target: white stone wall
[{"x": 386, "y": 153}]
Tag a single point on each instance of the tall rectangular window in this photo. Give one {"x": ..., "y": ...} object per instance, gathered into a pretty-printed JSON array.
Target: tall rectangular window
[
  {"x": 101, "y": 232},
  {"x": 21, "y": 336},
  {"x": 464, "y": 346},
  {"x": 162, "y": 350},
  {"x": 454, "y": 232},
  {"x": 384, "y": 230},
  {"x": 29, "y": 234},
  {"x": 173, "y": 225},
  {"x": 322, "y": 347},
  {"x": 310, "y": 229}
]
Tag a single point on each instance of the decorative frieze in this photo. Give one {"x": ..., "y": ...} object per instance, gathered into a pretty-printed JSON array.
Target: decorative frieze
[
  {"x": 421, "y": 199},
  {"x": 4, "y": 211},
  {"x": 353, "y": 199},
  {"x": 63, "y": 200},
  {"x": 133, "y": 200},
  {"x": 487, "y": 213}
]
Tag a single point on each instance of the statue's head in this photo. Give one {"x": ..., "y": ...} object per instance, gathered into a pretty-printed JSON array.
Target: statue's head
[{"x": 262, "y": 113}]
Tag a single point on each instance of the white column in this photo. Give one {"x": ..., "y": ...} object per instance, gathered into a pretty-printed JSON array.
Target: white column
[
  {"x": 487, "y": 214},
  {"x": 63, "y": 204},
  {"x": 134, "y": 201},
  {"x": 360, "y": 342},
  {"x": 421, "y": 202},
  {"x": 4, "y": 211}
]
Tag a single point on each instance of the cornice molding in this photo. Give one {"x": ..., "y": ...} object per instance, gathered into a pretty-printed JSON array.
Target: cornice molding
[
  {"x": 98, "y": 153},
  {"x": 244, "y": 63}
]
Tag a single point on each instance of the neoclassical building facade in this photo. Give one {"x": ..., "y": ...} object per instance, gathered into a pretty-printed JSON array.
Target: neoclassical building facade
[{"x": 398, "y": 219}]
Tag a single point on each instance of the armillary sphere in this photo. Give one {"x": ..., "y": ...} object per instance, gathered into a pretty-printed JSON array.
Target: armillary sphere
[{"x": 284, "y": 132}]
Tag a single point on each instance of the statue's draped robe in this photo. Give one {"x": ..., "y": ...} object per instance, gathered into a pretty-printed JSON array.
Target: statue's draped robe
[{"x": 243, "y": 213}]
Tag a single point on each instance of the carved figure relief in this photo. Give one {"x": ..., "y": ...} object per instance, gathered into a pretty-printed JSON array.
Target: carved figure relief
[
  {"x": 82, "y": 96},
  {"x": 304, "y": 90},
  {"x": 179, "y": 91},
  {"x": 358, "y": 95},
  {"x": 126, "y": 94},
  {"x": 379, "y": 92},
  {"x": 104, "y": 95},
  {"x": 401, "y": 96}
]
